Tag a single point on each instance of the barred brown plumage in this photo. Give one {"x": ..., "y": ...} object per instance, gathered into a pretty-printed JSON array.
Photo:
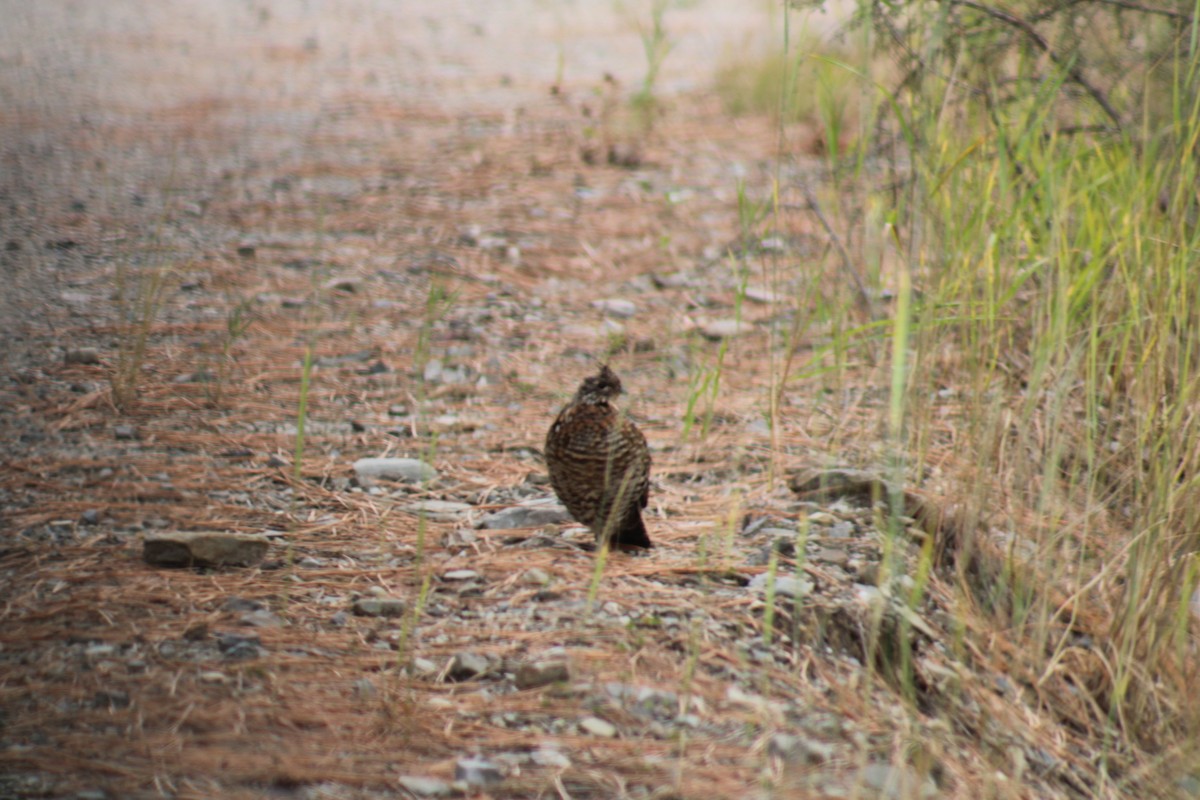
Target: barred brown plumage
[{"x": 599, "y": 463}]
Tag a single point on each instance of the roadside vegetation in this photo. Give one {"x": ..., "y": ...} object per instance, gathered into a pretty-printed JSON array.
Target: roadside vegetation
[{"x": 1015, "y": 188}]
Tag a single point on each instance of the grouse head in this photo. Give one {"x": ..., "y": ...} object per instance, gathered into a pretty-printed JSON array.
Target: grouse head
[{"x": 599, "y": 388}]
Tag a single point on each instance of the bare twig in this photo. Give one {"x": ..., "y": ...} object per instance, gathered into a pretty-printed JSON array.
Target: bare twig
[
  {"x": 864, "y": 299},
  {"x": 1040, "y": 42}
]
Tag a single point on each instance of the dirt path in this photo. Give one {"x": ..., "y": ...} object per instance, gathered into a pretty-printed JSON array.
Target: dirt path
[{"x": 393, "y": 194}]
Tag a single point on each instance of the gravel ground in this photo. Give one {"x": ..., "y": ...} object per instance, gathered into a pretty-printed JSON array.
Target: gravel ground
[{"x": 448, "y": 215}]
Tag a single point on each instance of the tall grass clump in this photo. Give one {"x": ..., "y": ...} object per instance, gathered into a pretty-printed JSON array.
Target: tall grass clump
[
  {"x": 140, "y": 290},
  {"x": 1039, "y": 188}
]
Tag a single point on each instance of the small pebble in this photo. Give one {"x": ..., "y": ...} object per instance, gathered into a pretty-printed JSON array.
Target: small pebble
[
  {"x": 477, "y": 771},
  {"x": 460, "y": 575},
  {"x": 378, "y": 607},
  {"x": 598, "y": 727},
  {"x": 425, "y": 787}
]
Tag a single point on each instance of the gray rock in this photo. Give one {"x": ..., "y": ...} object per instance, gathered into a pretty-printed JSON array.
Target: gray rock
[
  {"x": 90, "y": 517},
  {"x": 405, "y": 470},
  {"x": 549, "y": 757},
  {"x": 365, "y": 688},
  {"x": 460, "y": 575},
  {"x": 616, "y": 306},
  {"x": 422, "y": 666},
  {"x": 241, "y": 604},
  {"x": 785, "y": 585},
  {"x": 719, "y": 329},
  {"x": 438, "y": 510},
  {"x": 261, "y": 618},
  {"x": 676, "y": 280},
  {"x": 525, "y": 516},
  {"x": 378, "y": 607},
  {"x": 477, "y": 771},
  {"x": 466, "y": 666},
  {"x": 203, "y": 549},
  {"x": 842, "y": 529},
  {"x": 125, "y": 432},
  {"x": 535, "y": 576},
  {"x": 542, "y": 673},
  {"x": 82, "y": 355},
  {"x": 426, "y": 787},
  {"x": 598, "y": 727},
  {"x": 436, "y": 372},
  {"x": 895, "y": 783},
  {"x": 763, "y": 294},
  {"x": 239, "y": 646}
]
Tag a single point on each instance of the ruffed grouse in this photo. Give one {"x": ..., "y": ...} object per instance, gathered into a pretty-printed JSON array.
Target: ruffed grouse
[{"x": 599, "y": 463}]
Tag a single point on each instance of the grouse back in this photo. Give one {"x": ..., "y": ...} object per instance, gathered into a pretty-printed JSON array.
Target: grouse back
[{"x": 599, "y": 463}]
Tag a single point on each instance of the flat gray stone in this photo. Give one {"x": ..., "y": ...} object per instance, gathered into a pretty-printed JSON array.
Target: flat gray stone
[
  {"x": 536, "y": 576},
  {"x": 785, "y": 585},
  {"x": 405, "y": 470},
  {"x": 542, "y": 673},
  {"x": 438, "y": 510},
  {"x": 598, "y": 727},
  {"x": 378, "y": 607},
  {"x": 616, "y": 306},
  {"x": 532, "y": 516},
  {"x": 549, "y": 757},
  {"x": 897, "y": 782},
  {"x": 477, "y": 771},
  {"x": 460, "y": 575},
  {"x": 779, "y": 533},
  {"x": 466, "y": 666},
  {"x": 82, "y": 355},
  {"x": 203, "y": 549},
  {"x": 723, "y": 328},
  {"x": 261, "y": 618},
  {"x": 763, "y": 294},
  {"x": 829, "y": 555},
  {"x": 426, "y": 787}
]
